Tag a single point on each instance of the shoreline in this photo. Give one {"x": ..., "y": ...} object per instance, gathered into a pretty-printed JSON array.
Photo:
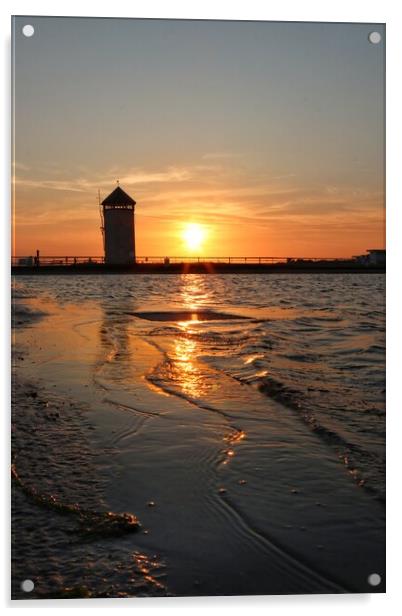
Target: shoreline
[
  {"x": 343, "y": 267},
  {"x": 64, "y": 535}
]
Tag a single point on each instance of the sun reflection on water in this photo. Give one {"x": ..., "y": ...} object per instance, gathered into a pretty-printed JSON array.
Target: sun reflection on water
[
  {"x": 193, "y": 292},
  {"x": 187, "y": 372},
  {"x": 234, "y": 438}
]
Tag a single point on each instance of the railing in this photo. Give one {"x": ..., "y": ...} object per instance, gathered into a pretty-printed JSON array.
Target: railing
[{"x": 71, "y": 261}]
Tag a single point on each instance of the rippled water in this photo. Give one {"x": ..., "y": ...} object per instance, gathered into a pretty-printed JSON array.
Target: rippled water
[
  {"x": 293, "y": 364},
  {"x": 315, "y": 343}
]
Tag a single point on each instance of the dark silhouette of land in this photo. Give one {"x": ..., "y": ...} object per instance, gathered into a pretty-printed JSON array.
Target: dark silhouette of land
[{"x": 294, "y": 267}]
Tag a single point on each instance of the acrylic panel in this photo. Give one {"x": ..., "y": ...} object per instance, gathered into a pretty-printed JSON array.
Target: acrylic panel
[{"x": 198, "y": 281}]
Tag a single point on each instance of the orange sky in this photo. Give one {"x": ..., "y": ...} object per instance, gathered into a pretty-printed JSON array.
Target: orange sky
[
  {"x": 269, "y": 135},
  {"x": 267, "y": 218}
]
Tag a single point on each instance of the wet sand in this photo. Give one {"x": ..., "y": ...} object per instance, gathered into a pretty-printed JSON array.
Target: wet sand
[
  {"x": 233, "y": 496},
  {"x": 64, "y": 537}
]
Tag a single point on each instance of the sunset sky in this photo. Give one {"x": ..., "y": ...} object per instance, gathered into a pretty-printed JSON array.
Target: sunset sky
[{"x": 270, "y": 136}]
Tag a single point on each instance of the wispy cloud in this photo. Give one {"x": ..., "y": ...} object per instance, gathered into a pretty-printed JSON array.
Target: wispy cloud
[
  {"x": 130, "y": 178},
  {"x": 220, "y": 155},
  {"x": 20, "y": 166}
]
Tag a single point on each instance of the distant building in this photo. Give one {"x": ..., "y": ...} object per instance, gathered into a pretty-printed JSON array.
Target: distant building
[
  {"x": 118, "y": 228},
  {"x": 374, "y": 256}
]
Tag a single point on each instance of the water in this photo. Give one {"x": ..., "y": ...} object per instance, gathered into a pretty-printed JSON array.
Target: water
[
  {"x": 316, "y": 343},
  {"x": 282, "y": 397}
]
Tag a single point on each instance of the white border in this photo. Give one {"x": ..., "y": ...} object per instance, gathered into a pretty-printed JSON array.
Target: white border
[{"x": 388, "y": 11}]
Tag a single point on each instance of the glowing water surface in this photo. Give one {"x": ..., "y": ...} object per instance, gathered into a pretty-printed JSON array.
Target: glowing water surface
[{"x": 258, "y": 438}]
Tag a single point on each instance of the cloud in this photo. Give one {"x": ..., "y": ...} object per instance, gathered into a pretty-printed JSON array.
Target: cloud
[
  {"x": 213, "y": 193},
  {"x": 62, "y": 185},
  {"x": 131, "y": 178},
  {"x": 20, "y": 166},
  {"x": 220, "y": 155}
]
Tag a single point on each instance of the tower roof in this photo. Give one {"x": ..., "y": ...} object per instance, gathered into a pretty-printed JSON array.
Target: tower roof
[{"x": 118, "y": 197}]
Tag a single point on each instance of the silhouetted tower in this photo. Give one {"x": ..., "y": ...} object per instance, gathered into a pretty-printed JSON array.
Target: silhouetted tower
[{"x": 118, "y": 228}]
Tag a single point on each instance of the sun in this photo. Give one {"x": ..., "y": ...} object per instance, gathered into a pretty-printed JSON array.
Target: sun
[{"x": 194, "y": 236}]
